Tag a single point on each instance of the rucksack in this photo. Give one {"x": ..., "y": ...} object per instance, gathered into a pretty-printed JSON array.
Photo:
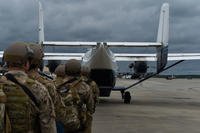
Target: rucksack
[
  {"x": 18, "y": 106},
  {"x": 71, "y": 99}
]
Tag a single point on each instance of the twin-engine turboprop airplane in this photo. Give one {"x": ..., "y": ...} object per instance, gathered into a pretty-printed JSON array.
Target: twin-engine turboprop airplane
[{"x": 103, "y": 62}]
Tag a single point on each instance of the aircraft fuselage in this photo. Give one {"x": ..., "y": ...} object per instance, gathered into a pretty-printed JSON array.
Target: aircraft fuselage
[{"x": 103, "y": 67}]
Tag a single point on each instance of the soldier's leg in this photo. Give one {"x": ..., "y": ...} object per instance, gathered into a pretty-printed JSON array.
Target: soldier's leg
[{"x": 88, "y": 128}]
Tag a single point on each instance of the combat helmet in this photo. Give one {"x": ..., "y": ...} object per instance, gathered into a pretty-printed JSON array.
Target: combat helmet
[
  {"x": 60, "y": 70},
  {"x": 18, "y": 53},
  {"x": 38, "y": 54},
  {"x": 73, "y": 67}
]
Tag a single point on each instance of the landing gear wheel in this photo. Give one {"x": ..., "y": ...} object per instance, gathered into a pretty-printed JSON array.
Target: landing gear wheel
[
  {"x": 127, "y": 97},
  {"x": 122, "y": 94}
]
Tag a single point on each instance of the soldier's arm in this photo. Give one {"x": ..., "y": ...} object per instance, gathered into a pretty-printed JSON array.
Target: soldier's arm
[
  {"x": 57, "y": 100},
  {"x": 60, "y": 108},
  {"x": 89, "y": 100},
  {"x": 46, "y": 109},
  {"x": 96, "y": 91}
]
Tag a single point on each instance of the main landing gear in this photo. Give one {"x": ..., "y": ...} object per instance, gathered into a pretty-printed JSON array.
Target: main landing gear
[{"x": 126, "y": 96}]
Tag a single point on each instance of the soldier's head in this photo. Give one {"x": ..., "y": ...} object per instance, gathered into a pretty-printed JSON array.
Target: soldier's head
[
  {"x": 38, "y": 56},
  {"x": 85, "y": 71},
  {"x": 73, "y": 67},
  {"x": 60, "y": 70},
  {"x": 18, "y": 55}
]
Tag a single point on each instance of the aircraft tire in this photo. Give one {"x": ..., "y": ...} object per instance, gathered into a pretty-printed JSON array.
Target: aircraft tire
[
  {"x": 122, "y": 94},
  {"x": 127, "y": 97}
]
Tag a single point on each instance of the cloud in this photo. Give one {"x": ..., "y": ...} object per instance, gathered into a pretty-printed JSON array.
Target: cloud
[{"x": 95, "y": 20}]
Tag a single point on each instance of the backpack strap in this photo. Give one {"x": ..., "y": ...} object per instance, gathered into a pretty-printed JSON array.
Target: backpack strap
[
  {"x": 23, "y": 87},
  {"x": 66, "y": 82},
  {"x": 75, "y": 94}
]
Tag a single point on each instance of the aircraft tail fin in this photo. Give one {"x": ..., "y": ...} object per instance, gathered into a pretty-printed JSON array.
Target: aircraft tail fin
[
  {"x": 163, "y": 37},
  {"x": 41, "y": 24}
]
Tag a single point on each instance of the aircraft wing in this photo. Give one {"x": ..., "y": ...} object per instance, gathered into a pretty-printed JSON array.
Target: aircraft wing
[
  {"x": 153, "y": 57},
  {"x": 122, "y": 56}
]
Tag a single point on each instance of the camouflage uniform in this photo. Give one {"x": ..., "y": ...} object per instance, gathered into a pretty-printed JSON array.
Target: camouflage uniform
[
  {"x": 57, "y": 100},
  {"x": 45, "y": 111},
  {"x": 63, "y": 112},
  {"x": 25, "y": 116},
  {"x": 85, "y": 72},
  {"x": 86, "y": 107},
  {"x": 70, "y": 98},
  {"x": 2, "y": 110},
  {"x": 94, "y": 88},
  {"x": 60, "y": 75},
  {"x": 87, "y": 102},
  {"x": 95, "y": 94}
]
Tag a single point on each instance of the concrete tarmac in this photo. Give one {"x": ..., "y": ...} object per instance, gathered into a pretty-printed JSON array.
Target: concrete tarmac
[{"x": 157, "y": 106}]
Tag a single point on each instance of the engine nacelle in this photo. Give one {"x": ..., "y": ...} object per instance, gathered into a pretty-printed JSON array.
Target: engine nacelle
[{"x": 139, "y": 67}]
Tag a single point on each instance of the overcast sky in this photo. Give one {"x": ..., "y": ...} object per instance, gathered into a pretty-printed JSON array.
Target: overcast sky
[{"x": 100, "y": 20}]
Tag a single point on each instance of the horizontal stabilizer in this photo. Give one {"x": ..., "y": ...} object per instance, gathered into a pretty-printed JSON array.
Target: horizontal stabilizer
[
  {"x": 57, "y": 43},
  {"x": 133, "y": 44},
  {"x": 63, "y": 56},
  {"x": 109, "y": 44}
]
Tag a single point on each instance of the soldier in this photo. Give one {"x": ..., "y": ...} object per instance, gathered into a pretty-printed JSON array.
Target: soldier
[
  {"x": 95, "y": 93},
  {"x": 29, "y": 108},
  {"x": 60, "y": 74},
  {"x": 73, "y": 70},
  {"x": 85, "y": 72},
  {"x": 70, "y": 97},
  {"x": 62, "y": 120},
  {"x": 2, "y": 113}
]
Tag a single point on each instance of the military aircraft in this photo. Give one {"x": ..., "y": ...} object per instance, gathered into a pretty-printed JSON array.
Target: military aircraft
[{"x": 103, "y": 62}]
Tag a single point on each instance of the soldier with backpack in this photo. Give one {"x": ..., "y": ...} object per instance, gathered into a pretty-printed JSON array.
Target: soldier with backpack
[
  {"x": 28, "y": 106},
  {"x": 86, "y": 104},
  {"x": 66, "y": 121},
  {"x": 65, "y": 86},
  {"x": 85, "y": 71}
]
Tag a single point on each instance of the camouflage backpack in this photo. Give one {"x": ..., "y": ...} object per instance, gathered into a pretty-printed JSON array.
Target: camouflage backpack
[
  {"x": 18, "y": 109},
  {"x": 71, "y": 100},
  {"x": 80, "y": 94}
]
